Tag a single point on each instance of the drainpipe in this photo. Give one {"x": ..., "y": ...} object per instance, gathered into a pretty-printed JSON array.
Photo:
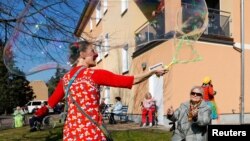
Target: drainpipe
[{"x": 242, "y": 63}]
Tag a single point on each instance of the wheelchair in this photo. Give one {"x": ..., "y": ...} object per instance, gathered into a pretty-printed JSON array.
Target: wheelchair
[
  {"x": 105, "y": 112},
  {"x": 48, "y": 122},
  {"x": 155, "y": 118},
  {"x": 63, "y": 116}
]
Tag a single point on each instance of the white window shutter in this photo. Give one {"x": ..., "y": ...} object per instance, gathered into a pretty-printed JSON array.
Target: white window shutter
[
  {"x": 107, "y": 95},
  {"x": 124, "y": 6},
  {"x": 98, "y": 48},
  {"x": 105, "y": 5},
  {"x": 106, "y": 44},
  {"x": 125, "y": 58},
  {"x": 90, "y": 24},
  {"x": 98, "y": 12}
]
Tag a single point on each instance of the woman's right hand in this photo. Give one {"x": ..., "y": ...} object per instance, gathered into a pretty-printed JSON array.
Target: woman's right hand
[
  {"x": 161, "y": 71},
  {"x": 142, "y": 77}
]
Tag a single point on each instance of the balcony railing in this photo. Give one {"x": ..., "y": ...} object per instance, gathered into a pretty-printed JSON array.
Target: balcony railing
[
  {"x": 154, "y": 30},
  {"x": 218, "y": 23},
  {"x": 151, "y": 31}
]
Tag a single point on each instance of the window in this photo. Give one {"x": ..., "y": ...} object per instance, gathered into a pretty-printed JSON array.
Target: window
[
  {"x": 107, "y": 95},
  {"x": 36, "y": 103},
  {"x": 124, "y": 6},
  {"x": 125, "y": 58},
  {"x": 106, "y": 44},
  {"x": 105, "y": 6},
  {"x": 98, "y": 13},
  {"x": 90, "y": 24},
  {"x": 99, "y": 50}
]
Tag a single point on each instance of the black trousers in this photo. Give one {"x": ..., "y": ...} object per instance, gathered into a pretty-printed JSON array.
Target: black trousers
[
  {"x": 112, "y": 118},
  {"x": 33, "y": 119}
]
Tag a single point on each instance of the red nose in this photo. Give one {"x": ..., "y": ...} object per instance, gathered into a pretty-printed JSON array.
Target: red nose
[{"x": 95, "y": 56}]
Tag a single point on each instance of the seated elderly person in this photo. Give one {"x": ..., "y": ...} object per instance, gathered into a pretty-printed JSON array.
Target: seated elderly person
[
  {"x": 38, "y": 117},
  {"x": 148, "y": 109},
  {"x": 18, "y": 117},
  {"x": 192, "y": 117},
  {"x": 116, "y": 110}
]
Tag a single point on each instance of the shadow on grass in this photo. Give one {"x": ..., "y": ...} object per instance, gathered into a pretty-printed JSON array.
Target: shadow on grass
[
  {"x": 45, "y": 135},
  {"x": 54, "y": 137},
  {"x": 142, "y": 135},
  {"x": 23, "y": 134}
]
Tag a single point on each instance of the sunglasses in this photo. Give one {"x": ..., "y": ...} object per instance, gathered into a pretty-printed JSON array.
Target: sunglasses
[{"x": 195, "y": 93}]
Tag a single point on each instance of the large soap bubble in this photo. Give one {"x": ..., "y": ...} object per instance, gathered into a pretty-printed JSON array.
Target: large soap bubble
[
  {"x": 192, "y": 21},
  {"x": 44, "y": 30},
  {"x": 38, "y": 44},
  {"x": 192, "y": 18}
]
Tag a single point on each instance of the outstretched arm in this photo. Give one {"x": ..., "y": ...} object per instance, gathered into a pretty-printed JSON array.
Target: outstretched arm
[
  {"x": 53, "y": 100},
  {"x": 107, "y": 78},
  {"x": 142, "y": 77},
  {"x": 57, "y": 95}
]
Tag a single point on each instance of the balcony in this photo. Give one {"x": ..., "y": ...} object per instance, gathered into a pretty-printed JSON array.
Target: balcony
[
  {"x": 218, "y": 29},
  {"x": 218, "y": 23},
  {"x": 153, "y": 32}
]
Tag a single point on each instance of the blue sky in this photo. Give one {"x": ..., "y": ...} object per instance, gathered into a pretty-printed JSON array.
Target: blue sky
[{"x": 44, "y": 75}]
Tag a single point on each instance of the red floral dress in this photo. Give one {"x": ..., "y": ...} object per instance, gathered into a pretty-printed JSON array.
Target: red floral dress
[{"x": 85, "y": 90}]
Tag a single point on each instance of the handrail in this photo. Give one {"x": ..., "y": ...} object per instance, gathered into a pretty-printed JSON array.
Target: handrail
[
  {"x": 143, "y": 25},
  {"x": 227, "y": 21},
  {"x": 146, "y": 23},
  {"x": 217, "y": 10}
]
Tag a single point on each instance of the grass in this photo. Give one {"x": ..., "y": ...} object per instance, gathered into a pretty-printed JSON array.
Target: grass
[
  {"x": 141, "y": 135},
  {"x": 23, "y": 134}
]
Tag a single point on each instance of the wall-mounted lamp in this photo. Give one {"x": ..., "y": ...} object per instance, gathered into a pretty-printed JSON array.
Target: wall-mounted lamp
[{"x": 144, "y": 65}]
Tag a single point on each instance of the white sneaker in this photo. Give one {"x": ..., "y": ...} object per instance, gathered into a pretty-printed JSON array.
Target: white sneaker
[
  {"x": 150, "y": 124},
  {"x": 144, "y": 125}
]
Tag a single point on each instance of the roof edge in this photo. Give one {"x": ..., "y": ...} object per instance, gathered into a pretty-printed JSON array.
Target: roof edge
[{"x": 87, "y": 11}]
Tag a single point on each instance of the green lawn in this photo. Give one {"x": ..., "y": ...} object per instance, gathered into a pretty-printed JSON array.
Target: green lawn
[
  {"x": 142, "y": 135},
  {"x": 23, "y": 134}
]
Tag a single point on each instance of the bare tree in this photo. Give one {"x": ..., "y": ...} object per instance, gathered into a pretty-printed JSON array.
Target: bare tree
[
  {"x": 33, "y": 33},
  {"x": 38, "y": 32}
]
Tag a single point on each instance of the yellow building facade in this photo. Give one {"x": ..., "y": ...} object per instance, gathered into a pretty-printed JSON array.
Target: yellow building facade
[
  {"x": 121, "y": 25},
  {"x": 40, "y": 90}
]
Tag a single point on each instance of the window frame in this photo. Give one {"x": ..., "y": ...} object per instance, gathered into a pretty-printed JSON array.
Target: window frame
[
  {"x": 107, "y": 94},
  {"x": 125, "y": 59},
  {"x": 124, "y": 6},
  {"x": 106, "y": 44},
  {"x": 105, "y": 6},
  {"x": 91, "y": 24},
  {"x": 98, "y": 13},
  {"x": 98, "y": 49}
]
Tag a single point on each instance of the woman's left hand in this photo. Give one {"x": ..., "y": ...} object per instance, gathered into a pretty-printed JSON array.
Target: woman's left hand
[
  {"x": 170, "y": 111},
  {"x": 195, "y": 113}
]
